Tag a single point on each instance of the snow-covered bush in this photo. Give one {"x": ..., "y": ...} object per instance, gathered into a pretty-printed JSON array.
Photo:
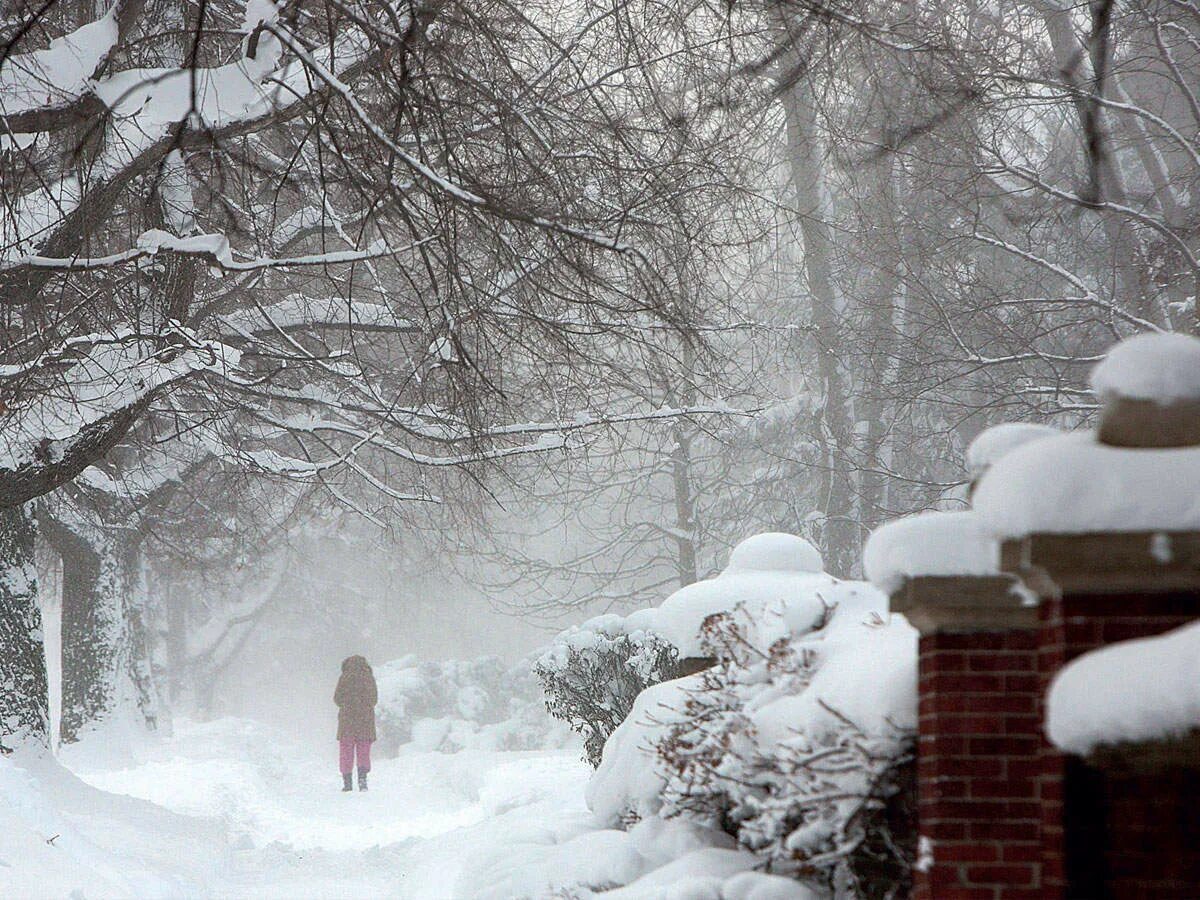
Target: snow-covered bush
[
  {"x": 453, "y": 705},
  {"x": 772, "y": 575},
  {"x": 797, "y": 742},
  {"x": 592, "y": 674}
]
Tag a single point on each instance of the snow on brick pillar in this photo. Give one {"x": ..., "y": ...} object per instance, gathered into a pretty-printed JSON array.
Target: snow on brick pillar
[{"x": 979, "y": 721}]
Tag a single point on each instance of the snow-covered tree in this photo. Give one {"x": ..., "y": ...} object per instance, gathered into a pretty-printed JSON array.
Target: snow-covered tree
[
  {"x": 317, "y": 238},
  {"x": 25, "y": 714}
]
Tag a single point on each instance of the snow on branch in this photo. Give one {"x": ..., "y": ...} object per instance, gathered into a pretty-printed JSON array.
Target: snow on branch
[
  {"x": 214, "y": 248},
  {"x": 298, "y": 312},
  {"x": 35, "y": 85},
  {"x": 61, "y": 417},
  {"x": 153, "y": 113},
  {"x": 546, "y": 436}
]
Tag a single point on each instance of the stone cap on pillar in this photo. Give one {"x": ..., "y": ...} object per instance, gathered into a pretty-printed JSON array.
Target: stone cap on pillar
[
  {"x": 941, "y": 571},
  {"x": 963, "y": 604},
  {"x": 1149, "y": 386},
  {"x": 1114, "y": 562}
]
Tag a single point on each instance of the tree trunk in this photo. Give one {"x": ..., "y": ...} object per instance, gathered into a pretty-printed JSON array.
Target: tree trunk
[
  {"x": 105, "y": 668},
  {"x": 685, "y": 505},
  {"x": 1125, "y": 246},
  {"x": 682, "y": 481},
  {"x": 883, "y": 260},
  {"x": 831, "y": 430},
  {"x": 176, "y": 643},
  {"x": 24, "y": 695}
]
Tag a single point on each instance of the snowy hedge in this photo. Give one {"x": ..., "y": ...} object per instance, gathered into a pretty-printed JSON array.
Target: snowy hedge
[
  {"x": 453, "y": 705},
  {"x": 798, "y": 742}
]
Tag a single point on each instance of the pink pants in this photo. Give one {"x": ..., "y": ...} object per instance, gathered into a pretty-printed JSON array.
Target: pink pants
[{"x": 348, "y": 747}]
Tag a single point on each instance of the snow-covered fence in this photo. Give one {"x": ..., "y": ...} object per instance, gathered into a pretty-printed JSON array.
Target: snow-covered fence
[{"x": 1059, "y": 735}]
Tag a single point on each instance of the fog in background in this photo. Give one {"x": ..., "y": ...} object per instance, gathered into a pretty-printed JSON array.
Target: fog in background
[{"x": 288, "y": 670}]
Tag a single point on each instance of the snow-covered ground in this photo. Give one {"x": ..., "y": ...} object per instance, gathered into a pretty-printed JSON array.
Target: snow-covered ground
[{"x": 236, "y": 809}]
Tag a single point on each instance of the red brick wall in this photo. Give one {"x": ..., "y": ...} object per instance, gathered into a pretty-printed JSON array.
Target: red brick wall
[
  {"x": 1150, "y": 839},
  {"x": 977, "y": 762},
  {"x": 1007, "y": 816}
]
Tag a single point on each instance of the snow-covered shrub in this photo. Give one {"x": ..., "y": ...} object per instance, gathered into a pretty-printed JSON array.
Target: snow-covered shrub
[
  {"x": 793, "y": 777},
  {"x": 769, "y": 575},
  {"x": 592, "y": 674},
  {"x": 453, "y": 705},
  {"x": 797, "y": 743}
]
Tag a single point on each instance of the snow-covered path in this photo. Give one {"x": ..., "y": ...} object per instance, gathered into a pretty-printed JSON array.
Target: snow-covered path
[
  {"x": 270, "y": 821},
  {"x": 233, "y": 809}
]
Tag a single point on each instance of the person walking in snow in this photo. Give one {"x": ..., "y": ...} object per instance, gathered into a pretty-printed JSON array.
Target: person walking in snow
[{"x": 355, "y": 696}]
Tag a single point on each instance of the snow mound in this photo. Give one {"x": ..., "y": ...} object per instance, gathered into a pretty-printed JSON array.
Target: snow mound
[
  {"x": 629, "y": 780},
  {"x": 934, "y": 543},
  {"x": 1073, "y": 484},
  {"x": 865, "y": 673},
  {"x": 591, "y": 859},
  {"x": 563, "y": 863},
  {"x": 797, "y": 596},
  {"x": 768, "y": 574},
  {"x": 452, "y": 705},
  {"x": 993, "y": 443},
  {"x": 1152, "y": 366},
  {"x": 771, "y": 576},
  {"x": 774, "y": 551},
  {"x": 59, "y": 837},
  {"x": 1131, "y": 691},
  {"x": 700, "y": 874}
]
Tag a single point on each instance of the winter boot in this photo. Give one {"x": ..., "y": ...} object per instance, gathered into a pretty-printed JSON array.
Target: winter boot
[
  {"x": 347, "y": 782},
  {"x": 362, "y": 779}
]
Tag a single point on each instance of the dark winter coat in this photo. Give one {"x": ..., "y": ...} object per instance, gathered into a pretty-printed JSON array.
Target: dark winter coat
[{"x": 355, "y": 697}]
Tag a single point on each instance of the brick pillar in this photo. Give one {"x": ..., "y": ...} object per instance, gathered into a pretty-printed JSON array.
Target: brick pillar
[
  {"x": 978, "y": 738},
  {"x": 1098, "y": 589}
]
